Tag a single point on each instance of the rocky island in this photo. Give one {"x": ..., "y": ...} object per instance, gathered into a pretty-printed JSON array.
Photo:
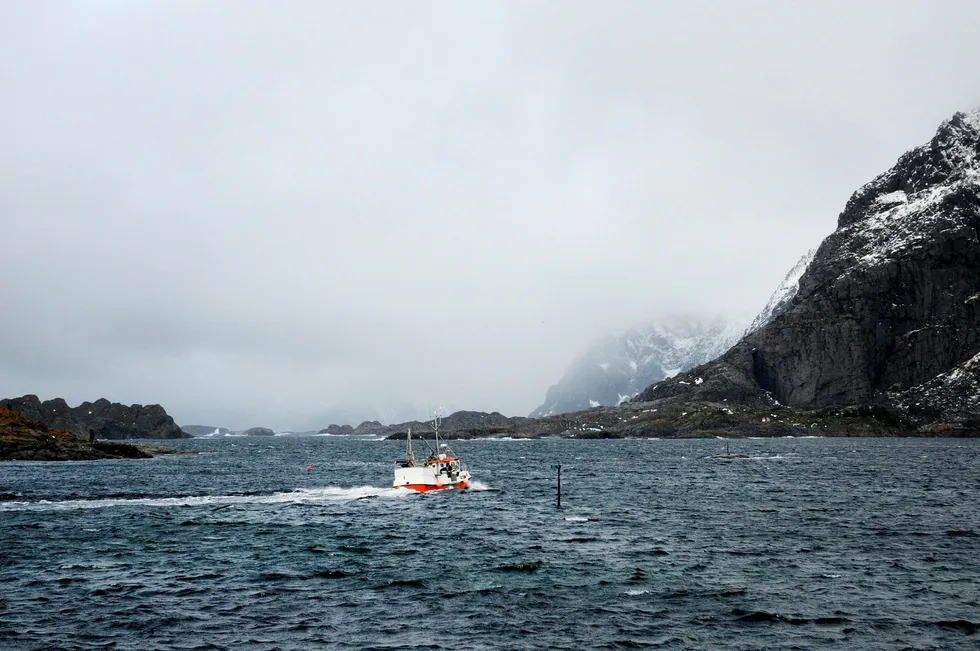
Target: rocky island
[{"x": 259, "y": 431}]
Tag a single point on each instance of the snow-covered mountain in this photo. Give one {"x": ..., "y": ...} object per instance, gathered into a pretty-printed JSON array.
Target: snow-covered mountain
[
  {"x": 783, "y": 296},
  {"x": 617, "y": 367},
  {"x": 887, "y": 312}
]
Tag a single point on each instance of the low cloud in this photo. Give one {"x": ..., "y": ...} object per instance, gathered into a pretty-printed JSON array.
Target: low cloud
[{"x": 265, "y": 215}]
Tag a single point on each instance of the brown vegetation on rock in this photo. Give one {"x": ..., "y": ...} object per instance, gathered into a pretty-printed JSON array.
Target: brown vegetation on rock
[{"x": 22, "y": 438}]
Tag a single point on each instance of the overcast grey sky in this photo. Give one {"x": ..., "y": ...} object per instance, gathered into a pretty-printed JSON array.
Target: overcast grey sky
[{"x": 257, "y": 213}]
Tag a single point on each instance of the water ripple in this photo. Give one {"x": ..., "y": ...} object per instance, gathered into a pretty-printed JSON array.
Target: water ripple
[{"x": 815, "y": 543}]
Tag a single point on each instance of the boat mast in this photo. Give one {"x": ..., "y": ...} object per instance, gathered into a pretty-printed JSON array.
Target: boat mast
[
  {"x": 435, "y": 423},
  {"x": 411, "y": 455}
]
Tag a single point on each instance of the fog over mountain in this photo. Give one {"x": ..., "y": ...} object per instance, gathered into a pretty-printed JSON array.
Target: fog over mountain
[
  {"x": 617, "y": 367},
  {"x": 263, "y": 214}
]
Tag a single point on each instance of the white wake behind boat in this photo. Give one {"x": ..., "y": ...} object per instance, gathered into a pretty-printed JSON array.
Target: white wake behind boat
[{"x": 441, "y": 470}]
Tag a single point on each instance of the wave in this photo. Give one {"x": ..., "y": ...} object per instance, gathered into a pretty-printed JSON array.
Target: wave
[
  {"x": 533, "y": 566},
  {"x": 298, "y": 496},
  {"x": 789, "y": 456}
]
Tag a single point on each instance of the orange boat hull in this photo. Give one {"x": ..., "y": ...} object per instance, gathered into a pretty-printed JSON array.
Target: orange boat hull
[{"x": 424, "y": 488}]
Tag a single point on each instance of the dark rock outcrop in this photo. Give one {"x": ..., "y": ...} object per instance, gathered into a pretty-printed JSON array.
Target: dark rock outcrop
[
  {"x": 368, "y": 427},
  {"x": 337, "y": 430},
  {"x": 455, "y": 425},
  {"x": 117, "y": 450},
  {"x": 461, "y": 420},
  {"x": 259, "y": 431},
  {"x": 23, "y": 438},
  {"x": 888, "y": 311},
  {"x": 108, "y": 420}
]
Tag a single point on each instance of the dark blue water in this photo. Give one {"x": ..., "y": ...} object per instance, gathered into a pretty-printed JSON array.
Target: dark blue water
[{"x": 812, "y": 544}]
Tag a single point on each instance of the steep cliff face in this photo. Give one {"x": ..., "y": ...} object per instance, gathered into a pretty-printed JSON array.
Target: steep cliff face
[
  {"x": 889, "y": 303},
  {"x": 618, "y": 367},
  {"x": 108, "y": 420}
]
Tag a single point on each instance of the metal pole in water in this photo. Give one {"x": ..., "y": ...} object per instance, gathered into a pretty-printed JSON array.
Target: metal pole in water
[
  {"x": 559, "y": 485},
  {"x": 557, "y": 466}
]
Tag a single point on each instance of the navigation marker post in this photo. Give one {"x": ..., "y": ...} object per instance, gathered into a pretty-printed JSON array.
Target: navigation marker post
[{"x": 557, "y": 466}]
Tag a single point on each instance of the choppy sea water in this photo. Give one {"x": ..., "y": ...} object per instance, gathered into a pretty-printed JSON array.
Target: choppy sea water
[{"x": 809, "y": 544}]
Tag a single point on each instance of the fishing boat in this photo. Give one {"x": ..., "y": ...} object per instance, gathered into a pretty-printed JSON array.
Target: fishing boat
[{"x": 441, "y": 470}]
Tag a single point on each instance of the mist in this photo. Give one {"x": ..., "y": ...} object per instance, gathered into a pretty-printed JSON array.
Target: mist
[{"x": 287, "y": 215}]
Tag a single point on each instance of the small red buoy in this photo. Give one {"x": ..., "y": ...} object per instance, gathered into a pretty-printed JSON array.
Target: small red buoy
[{"x": 309, "y": 467}]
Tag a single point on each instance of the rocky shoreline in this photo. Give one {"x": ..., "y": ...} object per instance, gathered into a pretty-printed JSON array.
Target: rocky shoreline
[
  {"x": 25, "y": 439},
  {"x": 670, "y": 419}
]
